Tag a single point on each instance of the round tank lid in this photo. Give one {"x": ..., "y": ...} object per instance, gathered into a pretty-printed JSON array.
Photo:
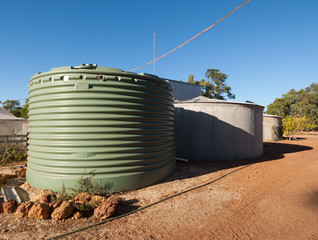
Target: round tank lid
[{"x": 86, "y": 66}]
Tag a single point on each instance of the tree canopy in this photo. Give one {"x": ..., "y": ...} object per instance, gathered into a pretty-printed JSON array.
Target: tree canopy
[
  {"x": 294, "y": 124},
  {"x": 214, "y": 86},
  {"x": 297, "y": 103},
  {"x": 14, "y": 107}
]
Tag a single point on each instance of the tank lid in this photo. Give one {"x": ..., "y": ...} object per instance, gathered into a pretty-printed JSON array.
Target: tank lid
[{"x": 86, "y": 66}]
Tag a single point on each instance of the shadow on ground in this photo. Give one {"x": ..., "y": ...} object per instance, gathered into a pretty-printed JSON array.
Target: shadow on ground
[{"x": 272, "y": 151}]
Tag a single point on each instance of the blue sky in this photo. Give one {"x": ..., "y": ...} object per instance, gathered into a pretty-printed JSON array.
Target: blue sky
[{"x": 266, "y": 47}]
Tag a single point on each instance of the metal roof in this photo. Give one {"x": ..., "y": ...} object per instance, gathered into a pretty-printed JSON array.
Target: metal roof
[{"x": 4, "y": 115}]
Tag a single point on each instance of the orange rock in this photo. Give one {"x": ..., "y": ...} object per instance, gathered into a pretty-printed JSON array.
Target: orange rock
[
  {"x": 62, "y": 212},
  {"x": 97, "y": 200},
  {"x": 39, "y": 210},
  {"x": 105, "y": 210},
  {"x": 114, "y": 199},
  {"x": 83, "y": 197},
  {"x": 10, "y": 206},
  {"x": 78, "y": 215},
  {"x": 55, "y": 205},
  {"x": 46, "y": 198},
  {"x": 23, "y": 209}
]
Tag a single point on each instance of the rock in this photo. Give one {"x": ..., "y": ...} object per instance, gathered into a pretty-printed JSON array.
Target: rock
[
  {"x": 114, "y": 199},
  {"x": 1, "y": 208},
  {"x": 62, "y": 212},
  {"x": 27, "y": 187},
  {"x": 97, "y": 200},
  {"x": 23, "y": 209},
  {"x": 46, "y": 198},
  {"x": 39, "y": 210},
  {"x": 83, "y": 197},
  {"x": 10, "y": 206},
  {"x": 78, "y": 215},
  {"x": 55, "y": 205},
  {"x": 105, "y": 210},
  {"x": 81, "y": 202}
]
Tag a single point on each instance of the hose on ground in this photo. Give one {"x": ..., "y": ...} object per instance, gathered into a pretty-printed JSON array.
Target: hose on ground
[{"x": 147, "y": 206}]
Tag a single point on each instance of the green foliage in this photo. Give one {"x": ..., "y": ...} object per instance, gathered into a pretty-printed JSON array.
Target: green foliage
[
  {"x": 12, "y": 152},
  {"x": 12, "y": 106},
  {"x": 297, "y": 103},
  {"x": 91, "y": 186},
  {"x": 292, "y": 124},
  {"x": 25, "y": 110},
  {"x": 61, "y": 195},
  {"x": 214, "y": 86},
  {"x": 84, "y": 207}
]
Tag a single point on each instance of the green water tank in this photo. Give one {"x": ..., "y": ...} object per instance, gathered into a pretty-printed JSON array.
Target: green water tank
[{"x": 113, "y": 127}]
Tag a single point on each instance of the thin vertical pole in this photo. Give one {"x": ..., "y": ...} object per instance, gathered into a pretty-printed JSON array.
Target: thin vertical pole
[{"x": 154, "y": 52}]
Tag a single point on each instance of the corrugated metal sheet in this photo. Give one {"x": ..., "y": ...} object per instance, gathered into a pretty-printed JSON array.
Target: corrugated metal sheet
[
  {"x": 184, "y": 91},
  {"x": 113, "y": 126}
]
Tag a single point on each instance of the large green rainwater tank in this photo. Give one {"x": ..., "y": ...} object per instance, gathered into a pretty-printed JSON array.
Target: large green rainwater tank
[{"x": 114, "y": 127}]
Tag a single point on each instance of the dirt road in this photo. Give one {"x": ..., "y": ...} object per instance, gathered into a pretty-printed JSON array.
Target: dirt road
[{"x": 273, "y": 197}]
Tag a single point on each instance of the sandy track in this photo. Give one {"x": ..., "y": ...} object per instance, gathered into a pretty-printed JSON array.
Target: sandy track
[{"x": 275, "y": 197}]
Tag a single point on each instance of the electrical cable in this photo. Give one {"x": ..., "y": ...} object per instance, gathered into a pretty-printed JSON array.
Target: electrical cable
[
  {"x": 147, "y": 206},
  {"x": 190, "y": 38}
]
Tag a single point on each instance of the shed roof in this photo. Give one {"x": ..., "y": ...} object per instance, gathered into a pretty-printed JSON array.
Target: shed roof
[{"x": 4, "y": 115}]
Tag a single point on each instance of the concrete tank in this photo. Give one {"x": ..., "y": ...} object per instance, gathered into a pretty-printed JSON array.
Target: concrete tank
[
  {"x": 209, "y": 129},
  {"x": 272, "y": 127},
  {"x": 102, "y": 123}
]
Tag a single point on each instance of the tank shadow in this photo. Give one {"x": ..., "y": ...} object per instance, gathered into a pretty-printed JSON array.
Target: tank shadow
[
  {"x": 127, "y": 206},
  {"x": 201, "y": 136},
  {"x": 272, "y": 151}
]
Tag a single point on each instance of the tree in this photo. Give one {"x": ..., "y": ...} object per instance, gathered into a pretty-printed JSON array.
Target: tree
[
  {"x": 214, "y": 86},
  {"x": 12, "y": 106},
  {"x": 25, "y": 110},
  {"x": 297, "y": 103},
  {"x": 292, "y": 124}
]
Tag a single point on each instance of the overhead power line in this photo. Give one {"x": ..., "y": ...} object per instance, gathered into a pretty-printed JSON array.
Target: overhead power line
[{"x": 190, "y": 38}]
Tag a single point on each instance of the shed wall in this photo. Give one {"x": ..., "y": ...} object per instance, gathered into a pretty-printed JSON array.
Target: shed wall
[{"x": 184, "y": 91}]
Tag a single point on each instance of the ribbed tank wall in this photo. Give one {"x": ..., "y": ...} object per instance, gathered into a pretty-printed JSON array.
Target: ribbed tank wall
[{"x": 113, "y": 126}]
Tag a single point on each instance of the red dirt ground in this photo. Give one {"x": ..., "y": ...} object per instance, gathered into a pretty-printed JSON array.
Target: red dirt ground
[{"x": 272, "y": 197}]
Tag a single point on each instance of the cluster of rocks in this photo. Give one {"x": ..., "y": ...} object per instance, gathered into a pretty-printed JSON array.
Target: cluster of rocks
[
  {"x": 18, "y": 173},
  {"x": 103, "y": 207}
]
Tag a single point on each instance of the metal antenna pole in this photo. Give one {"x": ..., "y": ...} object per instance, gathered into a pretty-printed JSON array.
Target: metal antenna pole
[{"x": 154, "y": 52}]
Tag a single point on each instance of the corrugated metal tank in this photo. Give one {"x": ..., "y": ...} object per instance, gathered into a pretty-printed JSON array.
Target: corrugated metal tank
[
  {"x": 88, "y": 121},
  {"x": 209, "y": 129},
  {"x": 272, "y": 128}
]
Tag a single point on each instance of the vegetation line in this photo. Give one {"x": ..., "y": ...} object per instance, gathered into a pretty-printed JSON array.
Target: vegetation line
[{"x": 147, "y": 206}]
